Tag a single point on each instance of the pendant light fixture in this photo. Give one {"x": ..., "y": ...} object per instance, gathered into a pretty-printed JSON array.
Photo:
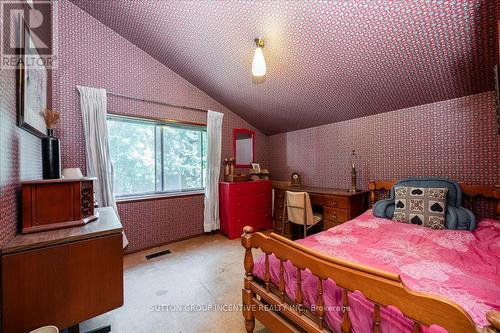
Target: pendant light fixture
[{"x": 258, "y": 63}]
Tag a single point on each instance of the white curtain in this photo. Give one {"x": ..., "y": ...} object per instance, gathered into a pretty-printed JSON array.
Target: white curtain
[
  {"x": 214, "y": 139},
  {"x": 93, "y": 104}
]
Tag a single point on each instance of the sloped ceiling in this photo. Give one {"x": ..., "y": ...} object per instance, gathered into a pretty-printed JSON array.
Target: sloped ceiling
[{"x": 327, "y": 61}]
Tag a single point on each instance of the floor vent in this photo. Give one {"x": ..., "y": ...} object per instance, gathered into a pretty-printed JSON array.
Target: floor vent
[{"x": 158, "y": 254}]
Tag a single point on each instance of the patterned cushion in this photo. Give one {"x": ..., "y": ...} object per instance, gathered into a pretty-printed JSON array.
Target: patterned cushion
[{"x": 420, "y": 205}]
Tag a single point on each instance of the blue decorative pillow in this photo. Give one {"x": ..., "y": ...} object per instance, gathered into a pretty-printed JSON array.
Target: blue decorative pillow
[{"x": 456, "y": 217}]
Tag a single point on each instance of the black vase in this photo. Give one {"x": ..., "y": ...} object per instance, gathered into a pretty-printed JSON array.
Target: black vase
[{"x": 51, "y": 156}]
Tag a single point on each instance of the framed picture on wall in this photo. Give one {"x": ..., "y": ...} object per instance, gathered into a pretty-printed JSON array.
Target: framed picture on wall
[
  {"x": 32, "y": 78},
  {"x": 256, "y": 167}
]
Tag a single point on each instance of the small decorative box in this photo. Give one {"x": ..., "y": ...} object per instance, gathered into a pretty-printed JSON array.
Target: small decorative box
[{"x": 57, "y": 203}]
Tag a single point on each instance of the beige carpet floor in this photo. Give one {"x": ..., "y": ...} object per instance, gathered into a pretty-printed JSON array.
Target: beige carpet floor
[{"x": 202, "y": 271}]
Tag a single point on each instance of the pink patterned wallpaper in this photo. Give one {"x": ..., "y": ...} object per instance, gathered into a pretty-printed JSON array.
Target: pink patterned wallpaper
[
  {"x": 456, "y": 138},
  {"x": 92, "y": 54},
  {"x": 20, "y": 157},
  {"x": 327, "y": 61}
]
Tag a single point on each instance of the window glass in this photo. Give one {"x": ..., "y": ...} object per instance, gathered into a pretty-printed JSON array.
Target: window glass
[
  {"x": 156, "y": 157},
  {"x": 182, "y": 159},
  {"x": 132, "y": 151}
]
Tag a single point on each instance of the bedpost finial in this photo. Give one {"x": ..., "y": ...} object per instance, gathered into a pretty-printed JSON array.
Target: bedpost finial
[
  {"x": 372, "y": 187},
  {"x": 248, "y": 230},
  {"x": 246, "y": 237}
]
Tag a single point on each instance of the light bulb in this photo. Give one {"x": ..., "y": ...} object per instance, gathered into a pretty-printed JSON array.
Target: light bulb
[{"x": 258, "y": 63}]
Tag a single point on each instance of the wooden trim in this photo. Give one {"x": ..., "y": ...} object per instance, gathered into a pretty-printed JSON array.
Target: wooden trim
[
  {"x": 271, "y": 320},
  {"x": 107, "y": 224},
  {"x": 291, "y": 313},
  {"x": 158, "y": 196},
  {"x": 59, "y": 180},
  {"x": 159, "y": 119}
]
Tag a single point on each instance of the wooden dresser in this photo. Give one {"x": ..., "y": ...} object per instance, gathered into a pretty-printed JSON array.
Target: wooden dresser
[
  {"x": 338, "y": 205},
  {"x": 62, "y": 277},
  {"x": 245, "y": 203}
]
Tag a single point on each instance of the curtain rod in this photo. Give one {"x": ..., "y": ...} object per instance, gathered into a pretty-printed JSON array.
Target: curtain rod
[{"x": 153, "y": 101}]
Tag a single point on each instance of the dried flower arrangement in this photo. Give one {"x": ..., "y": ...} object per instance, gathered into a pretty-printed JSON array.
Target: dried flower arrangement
[{"x": 51, "y": 118}]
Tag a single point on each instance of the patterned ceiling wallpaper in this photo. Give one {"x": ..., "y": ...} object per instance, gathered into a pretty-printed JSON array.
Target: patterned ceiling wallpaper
[
  {"x": 99, "y": 57},
  {"x": 456, "y": 139},
  {"x": 327, "y": 61}
]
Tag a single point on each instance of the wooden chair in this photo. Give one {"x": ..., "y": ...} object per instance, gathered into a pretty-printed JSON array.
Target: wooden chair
[
  {"x": 46, "y": 329},
  {"x": 298, "y": 210}
]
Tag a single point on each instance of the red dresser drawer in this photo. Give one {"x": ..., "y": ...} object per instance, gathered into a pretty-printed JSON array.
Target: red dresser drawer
[
  {"x": 258, "y": 219},
  {"x": 245, "y": 203},
  {"x": 249, "y": 202},
  {"x": 246, "y": 188}
]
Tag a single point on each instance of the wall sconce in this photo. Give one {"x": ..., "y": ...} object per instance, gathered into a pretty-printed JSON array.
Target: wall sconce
[{"x": 258, "y": 63}]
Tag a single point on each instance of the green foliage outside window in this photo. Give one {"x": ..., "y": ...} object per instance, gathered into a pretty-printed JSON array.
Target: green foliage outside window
[{"x": 154, "y": 157}]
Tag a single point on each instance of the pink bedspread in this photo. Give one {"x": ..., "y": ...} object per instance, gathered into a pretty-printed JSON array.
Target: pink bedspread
[{"x": 460, "y": 265}]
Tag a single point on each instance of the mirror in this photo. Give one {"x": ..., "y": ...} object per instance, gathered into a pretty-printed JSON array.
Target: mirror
[{"x": 243, "y": 147}]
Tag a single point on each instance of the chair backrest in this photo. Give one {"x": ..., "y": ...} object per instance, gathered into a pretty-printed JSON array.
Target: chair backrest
[
  {"x": 46, "y": 329},
  {"x": 299, "y": 209}
]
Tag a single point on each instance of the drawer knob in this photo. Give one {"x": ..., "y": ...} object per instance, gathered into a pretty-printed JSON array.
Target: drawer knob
[
  {"x": 334, "y": 216},
  {"x": 334, "y": 203}
]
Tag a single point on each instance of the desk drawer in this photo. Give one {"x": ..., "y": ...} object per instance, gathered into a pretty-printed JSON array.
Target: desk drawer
[
  {"x": 330, "y": 201},
  {"x": 255, "y": 218},
  {"x": 278, "y": 214},
  {"x": 279, "y": 204},
  {"x": 279, "y": 199},
  {"x": 330, "y": 224},
  {"x": 335, "y": 214},
  {"x": 250, "y": 202},
  {"x": 277, "y": 226}
]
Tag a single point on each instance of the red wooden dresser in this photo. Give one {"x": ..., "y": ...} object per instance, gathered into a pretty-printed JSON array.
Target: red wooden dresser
[{"x": 245, "y": 203}]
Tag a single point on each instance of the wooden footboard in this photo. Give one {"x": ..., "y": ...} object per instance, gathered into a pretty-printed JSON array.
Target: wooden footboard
[{"x": 271, "y": 306}]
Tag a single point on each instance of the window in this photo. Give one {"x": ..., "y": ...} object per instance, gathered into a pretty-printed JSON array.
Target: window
[{"x": 155, "y": 157}]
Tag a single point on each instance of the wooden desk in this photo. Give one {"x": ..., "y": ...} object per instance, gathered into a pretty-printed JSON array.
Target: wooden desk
[
  {"x": 62, "y": 277},
  {"x": 339, "y": 205}
]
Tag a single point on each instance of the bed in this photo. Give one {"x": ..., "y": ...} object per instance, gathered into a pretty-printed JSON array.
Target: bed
[{"x": 375, "y": 275}]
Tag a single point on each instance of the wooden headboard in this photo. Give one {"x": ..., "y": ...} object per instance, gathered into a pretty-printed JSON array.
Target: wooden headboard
[{"x": 380, "y": 189}]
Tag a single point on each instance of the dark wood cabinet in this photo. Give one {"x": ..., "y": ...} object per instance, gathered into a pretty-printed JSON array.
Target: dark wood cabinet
[{"x": 62, "y": 277}]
